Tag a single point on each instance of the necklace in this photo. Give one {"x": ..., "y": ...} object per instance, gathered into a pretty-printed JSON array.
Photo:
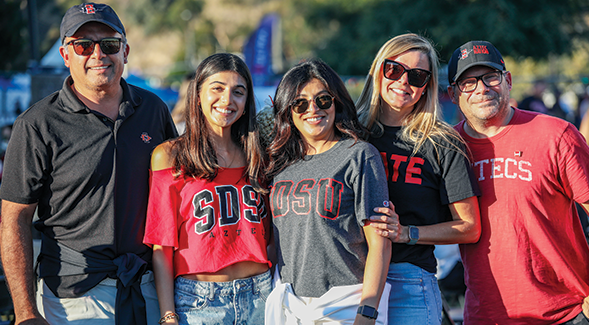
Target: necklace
[{"x": 232, "y": 160}]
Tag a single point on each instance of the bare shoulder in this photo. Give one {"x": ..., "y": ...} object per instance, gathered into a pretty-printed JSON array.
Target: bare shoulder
[{"x": 161, "y": 157}]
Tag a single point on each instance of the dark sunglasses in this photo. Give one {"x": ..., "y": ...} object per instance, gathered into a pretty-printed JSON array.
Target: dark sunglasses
[
  {"x": 394, "y": 71},
  {"x": 85, "y": 47},
  {"x": 301, "y": 105}
]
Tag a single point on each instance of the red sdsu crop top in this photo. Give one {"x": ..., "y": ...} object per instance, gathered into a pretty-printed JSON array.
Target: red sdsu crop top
[{"x": 210, "y": 224}]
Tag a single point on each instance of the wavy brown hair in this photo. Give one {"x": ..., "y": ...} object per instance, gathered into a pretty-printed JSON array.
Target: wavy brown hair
[
  {"x": 193, "y": 153},
  {"x": 287, "y": 145}
]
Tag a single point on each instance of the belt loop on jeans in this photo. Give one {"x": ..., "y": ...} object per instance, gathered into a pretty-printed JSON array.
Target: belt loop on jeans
[
  {"x": 211, "y": 291},
  {"x": 255, "y": 280}
]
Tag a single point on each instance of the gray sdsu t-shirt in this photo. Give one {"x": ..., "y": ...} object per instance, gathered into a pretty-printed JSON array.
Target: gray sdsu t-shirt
[{"x": 319, "y": 205}]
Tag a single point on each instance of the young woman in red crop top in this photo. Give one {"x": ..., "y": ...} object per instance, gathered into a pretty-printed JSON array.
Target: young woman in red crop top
[{"x": 206, "y": 217}]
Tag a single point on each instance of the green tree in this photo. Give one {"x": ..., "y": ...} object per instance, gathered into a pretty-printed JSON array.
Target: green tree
[
  {"x": 157, "y": 16},
  {"x": 12, "y": 28},
  {"x": 519, "y": 28}
]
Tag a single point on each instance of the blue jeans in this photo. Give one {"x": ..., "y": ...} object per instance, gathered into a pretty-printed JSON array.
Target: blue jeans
[
  {"x": 415, "y": 297},
  {"x": 236, "y": 302}
]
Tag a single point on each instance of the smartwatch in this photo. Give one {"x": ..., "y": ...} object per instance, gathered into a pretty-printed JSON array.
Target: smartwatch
[
  {"x": 368, "y": 312},
  {"x": 413, "y": 235}
]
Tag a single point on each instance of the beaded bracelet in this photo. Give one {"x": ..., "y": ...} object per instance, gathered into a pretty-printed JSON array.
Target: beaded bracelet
[{"x": 168, "y": 316}]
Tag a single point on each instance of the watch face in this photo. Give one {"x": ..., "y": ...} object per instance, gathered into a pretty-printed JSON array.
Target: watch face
[{"x": 414, "y": 233}]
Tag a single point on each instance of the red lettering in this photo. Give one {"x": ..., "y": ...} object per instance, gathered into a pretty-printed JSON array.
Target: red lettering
[
  {"x": 413, "y": 170},
  {"x": 398, "y": 159},
  {"x": 480, "y": 49}
]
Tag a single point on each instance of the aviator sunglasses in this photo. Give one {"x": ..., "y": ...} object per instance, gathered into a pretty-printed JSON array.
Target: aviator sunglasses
[
  {"x": 85, "y": 47},
  {"x": 300, "y": 105},
  {"x": 415, "y": 77}
]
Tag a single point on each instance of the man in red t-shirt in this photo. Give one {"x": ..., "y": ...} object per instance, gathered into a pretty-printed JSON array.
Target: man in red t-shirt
[{"x": 530, "y": 265}]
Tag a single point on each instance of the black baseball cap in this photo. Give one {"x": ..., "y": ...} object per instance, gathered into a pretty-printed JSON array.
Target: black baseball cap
[
  {"x": 83, "y": 13},
  {"x": 471, "y": 54}
]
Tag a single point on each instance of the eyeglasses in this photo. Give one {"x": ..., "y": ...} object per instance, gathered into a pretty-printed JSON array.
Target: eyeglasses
[
  {"x": 490, "y": 79},
  {"x": 85, "y": 47},
  {"x": 394, "y": 71},
  {"x": 300, "y": 105}
]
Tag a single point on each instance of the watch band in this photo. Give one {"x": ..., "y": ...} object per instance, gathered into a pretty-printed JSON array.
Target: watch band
[
  {"x": 413, "y": 235},
  {"x": 368, "y": 312}
]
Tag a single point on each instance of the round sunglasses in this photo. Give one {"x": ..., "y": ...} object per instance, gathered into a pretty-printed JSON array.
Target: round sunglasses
[
  {"x": 85, "y": 47},
  {"x": 415, "y": 77},
  {"x": 300, "y": 105}
]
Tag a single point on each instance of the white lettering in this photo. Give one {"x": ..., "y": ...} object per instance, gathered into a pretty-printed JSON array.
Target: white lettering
[
  {"x": 527, "y": 171},
  {"x": 481, "y": 170},
  {"x": 507, "y": 162},
  {"x": 496, "y": 167}
]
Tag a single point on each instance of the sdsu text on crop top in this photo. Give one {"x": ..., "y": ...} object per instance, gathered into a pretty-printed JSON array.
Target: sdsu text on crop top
[{"x": 210, "y": 224}]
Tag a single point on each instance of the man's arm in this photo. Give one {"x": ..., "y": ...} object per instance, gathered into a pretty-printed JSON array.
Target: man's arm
[{"x": 17, "y": 260}]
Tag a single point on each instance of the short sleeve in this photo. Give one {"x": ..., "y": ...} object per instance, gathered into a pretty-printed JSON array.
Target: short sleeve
[
  {"x": 457, "y": 177},
  {"x": 371, "y": 189},
  {"x": 25, "y": 165},
  {"x": 161, "y": 226},
  {"x": 573, "y": 164}
]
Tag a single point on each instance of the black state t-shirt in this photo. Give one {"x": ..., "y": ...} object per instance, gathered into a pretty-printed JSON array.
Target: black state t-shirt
[{"x": 422, "y": 185}]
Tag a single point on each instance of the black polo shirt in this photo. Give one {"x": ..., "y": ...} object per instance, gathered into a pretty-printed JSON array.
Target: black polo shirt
[{"x": 88, "y": 174}]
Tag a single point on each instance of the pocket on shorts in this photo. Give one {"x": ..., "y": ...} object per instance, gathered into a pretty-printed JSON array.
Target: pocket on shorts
[{"x": 186, "y": 301}]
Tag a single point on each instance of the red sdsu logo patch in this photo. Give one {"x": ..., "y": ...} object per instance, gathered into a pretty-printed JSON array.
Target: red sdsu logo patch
[
  {"x": 145, "y": 137},
  {"x": 89, "y": 9},
  {"x": 464, "y": 54}
]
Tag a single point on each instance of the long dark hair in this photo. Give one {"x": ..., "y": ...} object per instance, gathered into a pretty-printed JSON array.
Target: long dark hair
[
  {"x": 287, "y": 145},
  {"x": 193, "y": 153}
]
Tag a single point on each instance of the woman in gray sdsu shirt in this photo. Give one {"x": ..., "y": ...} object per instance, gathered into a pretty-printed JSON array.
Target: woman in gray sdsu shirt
[{"x": 326, "y": 183}]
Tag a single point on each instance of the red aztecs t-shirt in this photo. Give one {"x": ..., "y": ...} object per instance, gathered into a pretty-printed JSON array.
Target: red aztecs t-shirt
[
  {"x": 210, "y": 224},
  {"x": 530, "y": 264}
]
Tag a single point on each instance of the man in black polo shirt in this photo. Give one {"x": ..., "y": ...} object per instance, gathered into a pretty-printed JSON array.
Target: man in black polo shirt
[{"x": 81, "y": 157}]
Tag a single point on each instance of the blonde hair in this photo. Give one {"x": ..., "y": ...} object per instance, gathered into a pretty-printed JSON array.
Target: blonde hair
[{"x": 424, "y": 122}]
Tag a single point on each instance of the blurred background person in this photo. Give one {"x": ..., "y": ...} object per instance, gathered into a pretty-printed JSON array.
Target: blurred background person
[{"x": 534, "y": 101}]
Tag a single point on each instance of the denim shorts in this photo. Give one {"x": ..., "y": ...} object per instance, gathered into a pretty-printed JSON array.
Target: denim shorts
[
  {"x": 415, "y": 296},
  {"x": 235, "y": 302}
]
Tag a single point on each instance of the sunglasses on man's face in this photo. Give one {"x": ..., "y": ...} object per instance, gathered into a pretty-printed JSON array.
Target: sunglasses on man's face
[
  {"x": 85, "y": 47},
  {"x": 300, "y": 105},
  {"x": 415, "y": 77}
]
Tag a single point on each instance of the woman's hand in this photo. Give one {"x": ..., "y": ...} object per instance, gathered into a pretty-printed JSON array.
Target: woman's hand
[{"x": 387, "y": 224}]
